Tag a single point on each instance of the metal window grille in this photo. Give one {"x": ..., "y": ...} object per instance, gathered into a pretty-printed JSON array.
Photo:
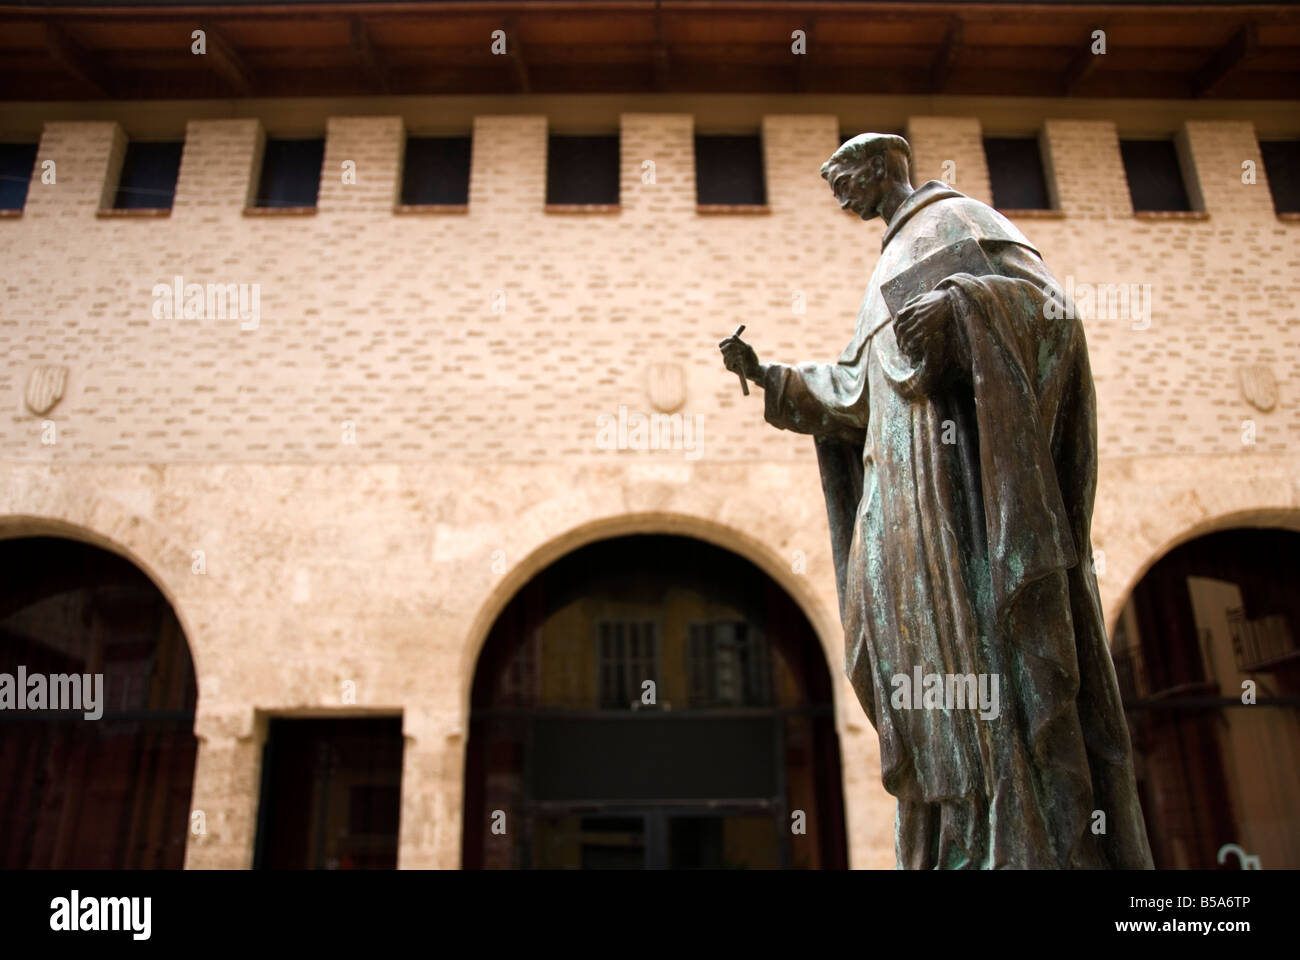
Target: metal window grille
[
  {"x": 628, "y": 655},
  {"x": 728, "y": 664}
]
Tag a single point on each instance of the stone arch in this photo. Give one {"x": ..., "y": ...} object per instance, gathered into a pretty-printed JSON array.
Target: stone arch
[
  {"x": 1174, "y": 532},
  {"x": 671, "y": 591},
  {"x": 84, "y": 606},
  {"x": 825, "y": 622},
  {"x": 105, "y": 524},
  {"x": 1204, "y": 653}
]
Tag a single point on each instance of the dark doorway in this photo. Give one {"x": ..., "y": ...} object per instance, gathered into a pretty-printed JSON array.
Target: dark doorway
[
  {"x": 652, "y": 702},
  {"x": 331, "y": 794},
  {"x": 81, "y": 791},
  {"x": 1213, "y": 625}
]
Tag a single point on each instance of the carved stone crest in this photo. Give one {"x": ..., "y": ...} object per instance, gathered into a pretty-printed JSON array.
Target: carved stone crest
[
  {"x": 1258, "y": 386},
  {"x": 666, "y": 386},
  {"x": 45, "y": 388}
]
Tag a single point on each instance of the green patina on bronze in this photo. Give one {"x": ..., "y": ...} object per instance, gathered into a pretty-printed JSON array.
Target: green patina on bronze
[{"x": 956, "y": 439}]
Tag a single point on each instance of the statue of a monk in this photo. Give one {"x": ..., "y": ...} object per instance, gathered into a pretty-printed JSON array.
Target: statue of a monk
[{"x": 957, "y": 441}]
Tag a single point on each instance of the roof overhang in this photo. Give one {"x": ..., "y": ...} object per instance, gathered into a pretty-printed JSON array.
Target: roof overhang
[{"x": 132, "y": 51}]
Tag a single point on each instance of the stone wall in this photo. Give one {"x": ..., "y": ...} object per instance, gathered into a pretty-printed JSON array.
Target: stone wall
[{"x": 469, "y": 356}]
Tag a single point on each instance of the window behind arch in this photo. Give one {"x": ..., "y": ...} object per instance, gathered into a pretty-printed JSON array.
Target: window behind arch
[
  {"x": 104, "y": 792},
  {"x": 652, "y": 701},
  {"x": 1207, "y": 654}
]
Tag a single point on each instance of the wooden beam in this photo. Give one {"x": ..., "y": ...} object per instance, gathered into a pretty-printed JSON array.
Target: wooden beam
[
  {"x": 660, "y": 50},
  {"x": 515, "y": 54},
  {"x": 709, "y": 50},
  {"x": 946, "y": 58},
  {"x": 371, "y": 63},
  {"x": 1083, "y": 63},
  {"x": 74, "y": 59},
  {"x": 1242, "y": 47},
  {"x": 223, "y": 58},
  {"x": 804, "y": 71}
]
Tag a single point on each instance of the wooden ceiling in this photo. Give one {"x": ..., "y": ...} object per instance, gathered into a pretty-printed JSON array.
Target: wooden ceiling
[{"x": 94, "y": 50}]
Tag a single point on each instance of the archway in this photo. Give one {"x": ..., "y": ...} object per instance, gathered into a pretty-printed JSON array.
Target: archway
[
  {"x": 97, "y": 702},
  {"x": 1207, "y": 655},
  {"x": 652, "y": 701}
]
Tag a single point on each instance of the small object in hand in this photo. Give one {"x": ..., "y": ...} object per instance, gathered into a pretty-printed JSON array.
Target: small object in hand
[{"x": 744, "y": 384}]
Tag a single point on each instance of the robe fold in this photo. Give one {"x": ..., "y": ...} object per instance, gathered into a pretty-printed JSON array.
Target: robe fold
[{"x": 959, "y": 491}]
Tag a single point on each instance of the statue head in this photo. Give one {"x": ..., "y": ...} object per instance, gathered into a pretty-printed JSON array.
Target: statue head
[{"x": 866, "y": 169}]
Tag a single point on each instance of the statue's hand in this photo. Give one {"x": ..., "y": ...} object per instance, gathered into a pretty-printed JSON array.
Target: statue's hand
[
  {"x": 739, "y": 357},
  {"x": 922, "y": 323}
]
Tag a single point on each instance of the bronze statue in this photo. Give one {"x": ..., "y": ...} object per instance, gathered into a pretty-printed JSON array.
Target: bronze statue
[{"x": 957, "y": 441}]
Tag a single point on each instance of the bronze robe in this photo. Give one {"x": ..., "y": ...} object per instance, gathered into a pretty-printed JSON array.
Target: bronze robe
[{"x": 973, "y": 556}]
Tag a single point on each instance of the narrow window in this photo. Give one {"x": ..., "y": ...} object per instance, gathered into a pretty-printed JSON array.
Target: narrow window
[
  {"x": 436, "y": 171},
  {"x": 728, "y": 665},
  {"x": 729, "y": 171},
  {"x": 628, "y": 656},
  {"x": 148, "y": 178},
  {"x": 290, "y": 173},
  {"x": 1155, "y": 177},
  {"x": 582, "y": 170},
  {"x": 331, "y": 794},
  {"x": 1016, "y": 173},
  {"x": 1282, "y": 163},
  {"x": 16, "y": 162}
]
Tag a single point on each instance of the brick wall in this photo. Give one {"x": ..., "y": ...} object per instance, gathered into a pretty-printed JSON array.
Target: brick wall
[
  {"x": 476, "y": 428},
  {"x": 438, "y": 335},
  {"x": 950, "y": 149}
]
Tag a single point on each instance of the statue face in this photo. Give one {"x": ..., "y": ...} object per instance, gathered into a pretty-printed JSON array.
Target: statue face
[{"x": 859, "y": 189}]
